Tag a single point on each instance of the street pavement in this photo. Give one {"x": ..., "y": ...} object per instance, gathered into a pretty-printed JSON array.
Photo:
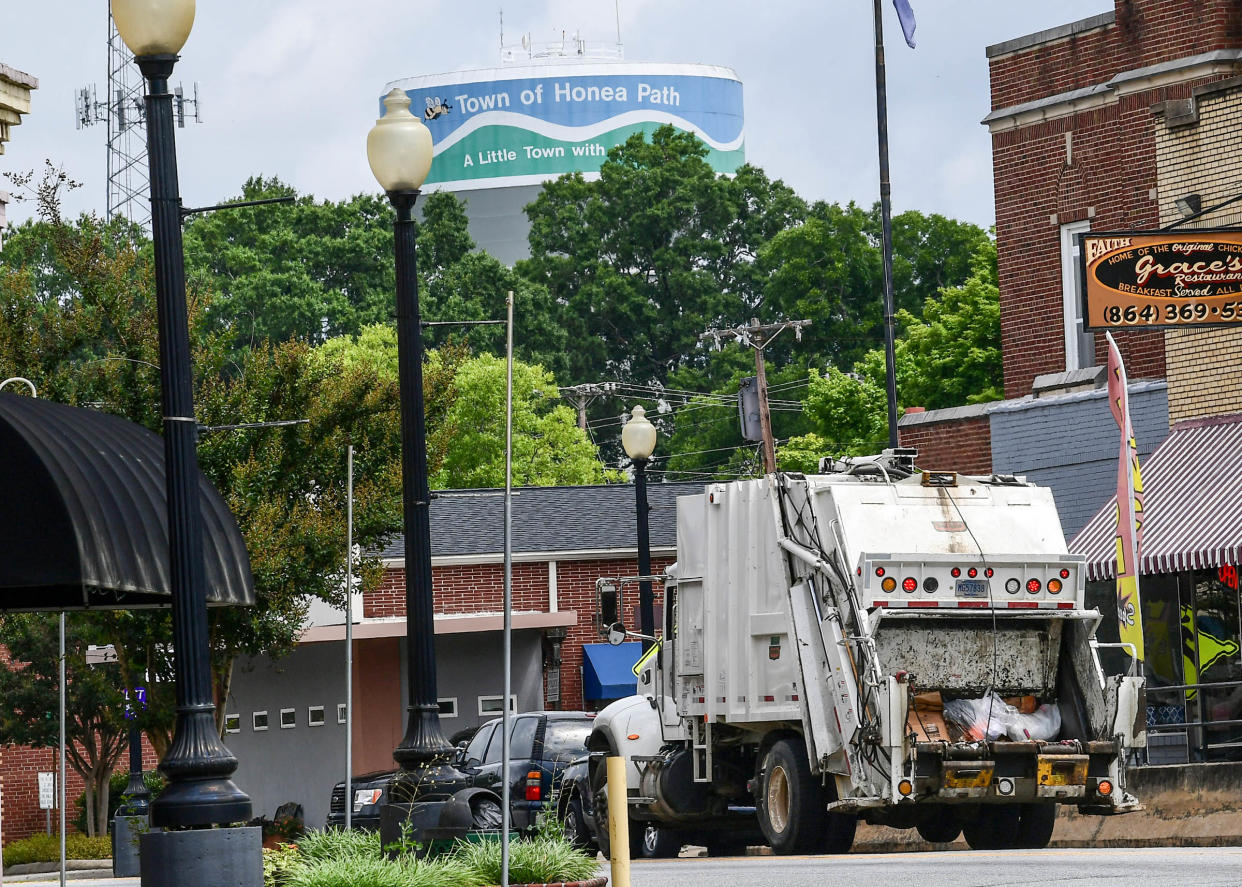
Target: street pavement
[{"x": 1096, "y": 867}]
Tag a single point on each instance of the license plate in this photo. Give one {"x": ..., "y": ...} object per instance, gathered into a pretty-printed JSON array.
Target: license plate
[{"x": 972, "y": 588}]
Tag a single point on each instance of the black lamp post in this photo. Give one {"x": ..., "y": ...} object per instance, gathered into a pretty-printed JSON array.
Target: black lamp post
[
  {"x": 197, "y": 764},
  {"x": 399, "y": 151},
  {"x": 638, "y": 437}
]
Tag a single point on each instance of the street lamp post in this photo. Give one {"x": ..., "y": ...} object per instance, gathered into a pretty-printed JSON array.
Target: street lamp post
[
  {"x": 638, "y": 437},
  {"x": 197, "y": 764},
  {"x": 200, "y": 793},
  {"x": 399, "y": 151}
]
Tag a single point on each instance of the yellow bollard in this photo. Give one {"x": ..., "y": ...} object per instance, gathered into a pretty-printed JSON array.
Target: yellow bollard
[{"x": 618, "y": 823}]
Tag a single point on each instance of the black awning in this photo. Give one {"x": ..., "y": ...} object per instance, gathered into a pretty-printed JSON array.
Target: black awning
[{"x": 83, "y": 517}]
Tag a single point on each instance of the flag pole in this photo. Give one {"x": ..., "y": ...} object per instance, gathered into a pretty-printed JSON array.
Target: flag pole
[{"x": 890, "y": 332}]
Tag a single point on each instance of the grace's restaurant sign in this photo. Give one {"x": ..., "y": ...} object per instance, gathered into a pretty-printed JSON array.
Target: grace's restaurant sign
[{"x": 1188, "y": 278}]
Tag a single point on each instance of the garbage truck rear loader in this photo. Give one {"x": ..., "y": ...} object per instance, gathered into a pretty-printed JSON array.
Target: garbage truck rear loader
[{"x": 905, "y": 647}]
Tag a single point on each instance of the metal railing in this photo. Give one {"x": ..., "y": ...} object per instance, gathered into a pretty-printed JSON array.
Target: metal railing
[{"x": 1208, "y": 738}]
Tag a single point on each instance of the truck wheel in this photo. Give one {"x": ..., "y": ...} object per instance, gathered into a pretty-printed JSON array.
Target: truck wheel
[
  {"x": 790, "y": 802},
  {"x": 573, "y": 825},
  {"x": 1035, "y": 825},
  {"x": 602, "y": 838},
  {"x": 994, "y": 828},
  {"x": 659, "y": 843},
  {"x": 940, "y": 824}
]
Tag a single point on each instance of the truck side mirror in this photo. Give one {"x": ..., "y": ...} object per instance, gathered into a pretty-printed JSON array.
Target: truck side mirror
[
  {"x": 608, "y": 596},
  {"x": 616, "y": 634}
]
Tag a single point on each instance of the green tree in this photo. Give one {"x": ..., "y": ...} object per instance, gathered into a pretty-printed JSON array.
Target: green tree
[
  {"x": 549, "y": 448},
  {"x": 309, "y": 270},
  {"x": 95, "y": 726},
  {"x": 93, "y": 342},
  {"x": 653, "y": 253},
  {"x": 948, "y": 357},
  {"x": 468, "y": 432}
]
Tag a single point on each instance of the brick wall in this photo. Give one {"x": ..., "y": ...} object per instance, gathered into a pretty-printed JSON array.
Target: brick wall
[
  {"x": 1097, "y": 163},
  {"x": 1204, "y": 158},
  {"x": 962, "y": 445},
  {"x": 19, "y": 777},
  {"x": 478, "y": 588}
]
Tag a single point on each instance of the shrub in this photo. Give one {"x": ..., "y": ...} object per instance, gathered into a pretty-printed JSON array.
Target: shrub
[
  {"x": 117, "y": 783},
  {"x": 338, "y": 858},
  {"x": 333, "y": 843},
  {"x": 364, "y": 871},
  {"x": 540, "y": 860},
  {"x": 46, "y": 848}
]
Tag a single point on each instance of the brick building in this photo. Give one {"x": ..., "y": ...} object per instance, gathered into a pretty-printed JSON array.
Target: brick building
[
  {"x": 564, "y": 538},
  {"x": 1098, "y": 125},
  {"x": 1123, "y": 122}
]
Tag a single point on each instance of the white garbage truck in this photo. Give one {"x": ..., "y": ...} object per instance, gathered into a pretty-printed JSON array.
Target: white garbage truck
[{"x": 876, "y": 642}]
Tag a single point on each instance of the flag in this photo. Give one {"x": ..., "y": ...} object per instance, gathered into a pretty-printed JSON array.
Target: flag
[
  {"x": 906, "y": 15},
  {"x": 1129, "y": 507}
]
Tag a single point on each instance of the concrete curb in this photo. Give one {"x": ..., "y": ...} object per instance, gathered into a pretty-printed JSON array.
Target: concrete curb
[{"x": 74, "y": 865}]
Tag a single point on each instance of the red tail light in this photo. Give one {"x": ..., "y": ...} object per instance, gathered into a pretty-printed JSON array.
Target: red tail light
[
  {"x": 1033, "y": 586},
  {"x": 909, "y": 584},
  {"x": 534, "y": 786},
  {"x": 1064, "y": 573},
  {"x": 972, "y": 572}
]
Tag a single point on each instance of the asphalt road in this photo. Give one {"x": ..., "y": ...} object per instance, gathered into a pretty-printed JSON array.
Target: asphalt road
[{"x": 1144, "y": 867}]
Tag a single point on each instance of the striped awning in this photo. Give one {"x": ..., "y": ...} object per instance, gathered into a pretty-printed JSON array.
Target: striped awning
[{"x": 1193, "y": 504}]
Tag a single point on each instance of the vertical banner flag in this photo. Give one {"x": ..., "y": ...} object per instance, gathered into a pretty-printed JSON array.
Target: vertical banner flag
[
  {"x": 1129, "y": 507},
  {"x": 906, "y": 15}
]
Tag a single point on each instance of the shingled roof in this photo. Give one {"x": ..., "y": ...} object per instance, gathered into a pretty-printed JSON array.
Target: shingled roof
[{"x": 554, "y": 520}]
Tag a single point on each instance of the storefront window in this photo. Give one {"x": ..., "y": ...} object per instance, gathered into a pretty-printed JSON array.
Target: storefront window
[{"x": 1215, "y": 653}]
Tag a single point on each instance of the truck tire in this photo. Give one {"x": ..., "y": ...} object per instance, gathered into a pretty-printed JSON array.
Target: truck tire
[
  {"x": 659, "y": 843},
  {"x": 1035, "y": 825},
  {"x": 995, "y": 827},
  {"x": 791, "y": 804},
  {"x": 599, "y": 785},
  {"x": 940, "y": 824},
  {"x": 573, "y": 825}
]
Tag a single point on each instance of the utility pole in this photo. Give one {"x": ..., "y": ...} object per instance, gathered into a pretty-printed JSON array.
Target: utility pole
[
  {"x": 759, "y": 336},
  {"x": 582, "y": 395}
]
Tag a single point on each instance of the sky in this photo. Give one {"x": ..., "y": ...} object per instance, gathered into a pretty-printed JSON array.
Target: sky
[{"x": 289, "y": 88}]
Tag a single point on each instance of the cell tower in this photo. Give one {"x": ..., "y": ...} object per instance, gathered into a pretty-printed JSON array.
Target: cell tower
[{"x": 124, "y": 111}]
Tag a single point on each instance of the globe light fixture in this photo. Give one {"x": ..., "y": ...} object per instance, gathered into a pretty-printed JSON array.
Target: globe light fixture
[
  {"x": 399, "y": 146},
  {"x": 153, "y": 27}
]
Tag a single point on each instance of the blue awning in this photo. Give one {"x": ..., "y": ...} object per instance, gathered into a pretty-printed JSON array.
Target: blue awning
[{"x": 607, "y": 671}]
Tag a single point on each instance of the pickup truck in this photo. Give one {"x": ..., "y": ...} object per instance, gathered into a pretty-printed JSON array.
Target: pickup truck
[{"x": 542, "y": 744}]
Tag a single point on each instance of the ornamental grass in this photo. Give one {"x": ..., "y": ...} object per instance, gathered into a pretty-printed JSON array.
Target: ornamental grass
[{"x": 339, "y": 858}]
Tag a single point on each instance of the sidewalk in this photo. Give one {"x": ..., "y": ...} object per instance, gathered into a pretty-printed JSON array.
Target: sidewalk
[{"x": 82, "y": 872}]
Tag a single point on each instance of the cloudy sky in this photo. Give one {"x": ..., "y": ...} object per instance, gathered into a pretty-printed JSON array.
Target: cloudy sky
[{"x": 289, "y": 87}]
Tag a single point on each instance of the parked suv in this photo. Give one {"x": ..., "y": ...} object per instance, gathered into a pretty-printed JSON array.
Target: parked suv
[{"x": 541, "y": 745}]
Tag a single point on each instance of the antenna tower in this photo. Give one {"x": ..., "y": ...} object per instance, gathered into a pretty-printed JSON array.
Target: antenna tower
[{"x": 124, "y": 111}]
